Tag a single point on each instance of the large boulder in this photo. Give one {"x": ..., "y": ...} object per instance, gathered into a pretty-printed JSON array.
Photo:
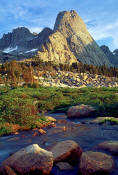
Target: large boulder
[
  {"x": 80, "y": 111},
  {"x": 68, "y": 151},
  {"x": 30, "y": 160},
  {"x": 92, "y": 163},
  {"x": 109, "y": 146}
]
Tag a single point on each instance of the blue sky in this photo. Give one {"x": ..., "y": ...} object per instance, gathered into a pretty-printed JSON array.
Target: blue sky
[{"x": 100, "y": 16}]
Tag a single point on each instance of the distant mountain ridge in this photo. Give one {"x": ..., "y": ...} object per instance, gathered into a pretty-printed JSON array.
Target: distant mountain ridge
[
  {"x": 67, "y": 43},
  {"x": 112, "y": 56},
  {"x": 22, "y": 43}
]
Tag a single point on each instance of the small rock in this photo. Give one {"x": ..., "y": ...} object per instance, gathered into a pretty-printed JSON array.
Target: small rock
[
  {"x": 35, "y": 134},
  {"x": 52, "y": 125},
  {"x": 30, "y": 160},
  {"x": 16, "y": 133},
  {"x": 64, "y": 166},
  {"x": 92, "y": 163},
  {"x": 42, "y": 131},
  {"x": 67, "y": 150},
  {"x": 51, "y": 119}
]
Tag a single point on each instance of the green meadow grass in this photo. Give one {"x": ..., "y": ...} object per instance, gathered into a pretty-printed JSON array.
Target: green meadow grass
[{"x": 20, "y": 105}]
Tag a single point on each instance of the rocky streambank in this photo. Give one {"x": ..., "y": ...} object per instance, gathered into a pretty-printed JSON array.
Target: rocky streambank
[
  {"x": 76, "y": 80},
  {"x": 69, "y": 147},
  {"x": 64, "y": 155}
]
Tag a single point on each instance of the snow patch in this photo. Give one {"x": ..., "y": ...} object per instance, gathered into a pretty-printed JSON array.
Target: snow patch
[
  {"x": 10, "y": 49},
  {"x": 33, "y": 50}
]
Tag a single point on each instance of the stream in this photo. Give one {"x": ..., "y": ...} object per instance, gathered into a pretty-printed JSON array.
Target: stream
[{"x": 86, "y": 134}]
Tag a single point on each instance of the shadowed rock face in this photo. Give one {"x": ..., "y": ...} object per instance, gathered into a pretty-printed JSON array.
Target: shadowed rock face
[
  {"x": 112, "y": 56},
  {"x": 81, "y": 44},
  {"x": 23, "y": 39},
  {"x": 14, "y": 38},
  {"x": 21, "y": 43}
]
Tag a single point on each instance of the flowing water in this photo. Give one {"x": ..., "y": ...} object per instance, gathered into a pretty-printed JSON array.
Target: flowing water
[{"x": 87, "y": 135}]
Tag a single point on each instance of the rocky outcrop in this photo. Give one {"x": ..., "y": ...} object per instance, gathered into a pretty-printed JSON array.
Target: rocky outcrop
[
  {"x": 112, "y": 56},
  {"x": 81, "y": 44},
  {"x": 31, "y": 159},
  {"x": 96, "y": 163},
  {"x": 56, "y": 49},
  {"x": 68, "y": 151},
  {"x": 80, "y": 111}
]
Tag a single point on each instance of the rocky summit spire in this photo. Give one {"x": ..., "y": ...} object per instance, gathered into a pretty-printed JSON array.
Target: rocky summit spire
[
  {"x": 80, "y": 42},
  {"x": 69, "y": 23}
]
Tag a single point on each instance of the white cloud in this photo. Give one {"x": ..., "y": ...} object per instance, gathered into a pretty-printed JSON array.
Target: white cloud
[{"x": 19, "y": 12}]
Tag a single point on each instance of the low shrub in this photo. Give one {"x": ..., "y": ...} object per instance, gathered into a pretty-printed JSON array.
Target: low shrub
[
  {"x": 18, "y": 111},
  {"x": 5, "y": 129}
]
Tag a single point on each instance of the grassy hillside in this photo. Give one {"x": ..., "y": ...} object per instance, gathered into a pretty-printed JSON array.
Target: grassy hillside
[{"x": 24, "y": 107}]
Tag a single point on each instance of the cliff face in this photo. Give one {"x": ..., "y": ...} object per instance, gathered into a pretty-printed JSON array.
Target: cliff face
[
  {"x": 80, "y": 42},
  {"x": 56, "y": 49}
]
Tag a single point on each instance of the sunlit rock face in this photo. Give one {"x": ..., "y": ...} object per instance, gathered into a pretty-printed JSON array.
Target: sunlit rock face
[
  {"x": 56, "y": 49},
  {"x": 81, "y": 44}
]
